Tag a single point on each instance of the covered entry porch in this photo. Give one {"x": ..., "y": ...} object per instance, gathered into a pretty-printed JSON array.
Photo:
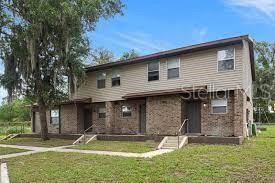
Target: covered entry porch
[
  {"x": 116, "y": 117},
  {"x": 166, "y": 110},
  {"x": 219, "y": 114},
  {"x": 153, "y": 115}
]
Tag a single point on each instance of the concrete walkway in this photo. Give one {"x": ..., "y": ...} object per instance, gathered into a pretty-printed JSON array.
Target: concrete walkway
[
  {"x": 4, "y": 176},
  {"x": 111, "y": 153},
  {"x": 33, "y": 150},
  {"x": 30, "y": 148}
]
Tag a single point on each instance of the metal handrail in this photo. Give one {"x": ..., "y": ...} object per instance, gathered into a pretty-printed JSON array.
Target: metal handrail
[
  {"x": 86, "y": 131},
  {"x": 179, "y": 131},
  {"x": 89, "y": 128}
]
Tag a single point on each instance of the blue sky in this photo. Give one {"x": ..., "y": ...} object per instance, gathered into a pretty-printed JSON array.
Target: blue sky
[{"x": 150, "y": 26}]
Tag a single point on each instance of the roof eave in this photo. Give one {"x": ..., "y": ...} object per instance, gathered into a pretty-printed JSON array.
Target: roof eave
[
  {"x": 187, "y": 49},
  {"x": 173, "y": 52},
  {"x": 252, "y": 58}
]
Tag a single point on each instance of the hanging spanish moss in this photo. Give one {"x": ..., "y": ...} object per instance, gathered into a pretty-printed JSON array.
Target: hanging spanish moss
[{"x": 41, "y": 42}]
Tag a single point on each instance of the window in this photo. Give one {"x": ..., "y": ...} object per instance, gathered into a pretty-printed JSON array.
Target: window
[
  {"x": 226, "y": 59},
  {"x": 173, "y": 68},
  {"x": 115, "y": 78},
  {"x": 219, "y": 106},
  {"x": 54, "y": 117},
  {"x": 101, "y": 112},
  {"x": 126, "y": 111},
  {"x": 101, "y": 78},
  {"x": 153, "y": 71}
]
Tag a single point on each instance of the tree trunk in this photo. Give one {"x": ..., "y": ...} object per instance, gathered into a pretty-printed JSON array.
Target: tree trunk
[
  {"x": 9, "y": 95},
  {"x": 43, "y": 120}
]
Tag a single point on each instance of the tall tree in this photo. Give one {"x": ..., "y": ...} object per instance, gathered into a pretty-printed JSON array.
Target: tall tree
[
  {"x": 129, "y": 55},
  {"x": 264, "y": 86},
  {"x": 15, "y": 110},
  {"x": 50, "y": 43},
  {"x": 102, "y": 56}
]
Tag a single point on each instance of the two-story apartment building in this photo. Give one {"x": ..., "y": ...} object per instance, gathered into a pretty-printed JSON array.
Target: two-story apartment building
[{"x": 210, "y": 84}]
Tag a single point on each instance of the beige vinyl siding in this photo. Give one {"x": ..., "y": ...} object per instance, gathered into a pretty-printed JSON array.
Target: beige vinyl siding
[{"x": 199, "y": 68}]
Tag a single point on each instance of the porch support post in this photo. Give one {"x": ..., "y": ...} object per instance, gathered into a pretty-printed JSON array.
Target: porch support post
[
  {"x": 238, "y": 113},
  {"x": 110, "y": 116}
]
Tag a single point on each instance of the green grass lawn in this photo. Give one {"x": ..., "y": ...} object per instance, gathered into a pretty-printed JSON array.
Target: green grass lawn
[
  {"x": 269, "y": 133},
  {"x": 120, "y": 146},
  {"x": 38, "y": 142},
  {"x": 2, "y": 136},
  {"x": 252, "y": 162},
  {"x": 6, "y": 150}
]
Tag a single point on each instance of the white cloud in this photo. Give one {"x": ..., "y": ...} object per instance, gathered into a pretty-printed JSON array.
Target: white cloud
[
  {"x": 142, "y": 41},
  {"x": 119, "y": 43},
  {"x": 199, "y": 34},
  {"x": 112, "y": 40},
  {"x": 255, "y": 8}
]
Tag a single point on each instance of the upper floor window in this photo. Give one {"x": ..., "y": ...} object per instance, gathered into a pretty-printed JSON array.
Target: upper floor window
[
  {"x": 173, "y": 68},
  {"x": 126, "y": 111},
  {"x": 219, "y": 106},
  {"x": 100, "y": 80},
  {"x": 54, "y": 117},
  {"x": 226, "y": 59},
  {"x": 115, "y": 78},
  {"x": 153, "y": 71},
  {"x": 101, "y": 112}
]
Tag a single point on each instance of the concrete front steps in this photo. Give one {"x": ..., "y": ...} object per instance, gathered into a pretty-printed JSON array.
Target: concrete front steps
[
  {"x": 172, "y": 142},
  {"x": 85, "y": 139},
  {"x": 10, "y": 136}
]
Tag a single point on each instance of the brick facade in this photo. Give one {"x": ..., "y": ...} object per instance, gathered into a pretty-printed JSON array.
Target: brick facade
[
  {"x": 110, "y": 116},
  {"x": 99, "y": 124},
  {"x": 127, "y": 125},
  {"x": 217, "y": 124},
  {"x": 243, "y": 112},
  {"x": 52, "y": 128},
  {"x": 233, "y": 123},
  {"x": 80, "y": 118},
  {"x": 114, "y": 122},
  {"x": 68, "y": 116},
  {"x": 239, "y": 112},
  {"x": 163, "y": 114}
]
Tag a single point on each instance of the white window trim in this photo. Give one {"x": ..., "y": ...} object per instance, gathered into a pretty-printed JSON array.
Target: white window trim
[
  {"x": 116, "y": 77},
  {"x": 101, "y": 73},
  {"x": 226, "y": 111},
  {"x": 117, "y": 71},
  {"x": 100, "y": 79},
  {"x": 179, "y": 59},
  {"x": 226, "y": 59},
  {"x": 152, "y": 71},
  {"x": 51, "y": 122},
  {"x": 101, "y": 112},
  {"x": 55, "y": 110},
  {"x": 131, "y": 107},
  {"x": 115, "y": 85}
]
